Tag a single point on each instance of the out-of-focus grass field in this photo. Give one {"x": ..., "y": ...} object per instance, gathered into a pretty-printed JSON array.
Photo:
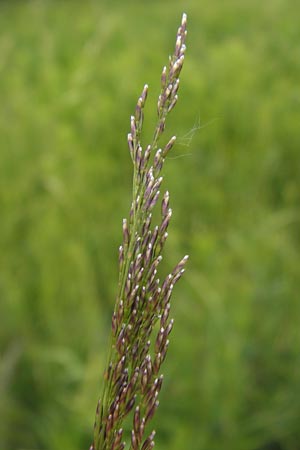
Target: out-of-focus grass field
[{"x": 70, "y": 73}]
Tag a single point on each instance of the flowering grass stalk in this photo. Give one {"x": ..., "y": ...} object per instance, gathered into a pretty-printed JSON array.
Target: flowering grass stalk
[{"x": 140, "y": 322}]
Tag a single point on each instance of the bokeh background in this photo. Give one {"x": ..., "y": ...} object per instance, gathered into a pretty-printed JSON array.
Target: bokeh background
[{"x": 70, "y": 73}]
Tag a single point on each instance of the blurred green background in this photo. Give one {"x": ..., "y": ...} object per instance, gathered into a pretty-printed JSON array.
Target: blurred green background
[{"x": 70, "y": 73}]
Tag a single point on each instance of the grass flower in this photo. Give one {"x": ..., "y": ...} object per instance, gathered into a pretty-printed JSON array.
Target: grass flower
[{"x": 141, "y": 322}]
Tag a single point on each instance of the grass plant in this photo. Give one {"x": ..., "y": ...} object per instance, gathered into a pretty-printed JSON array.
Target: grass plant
[{"x": 140, "y": 322}]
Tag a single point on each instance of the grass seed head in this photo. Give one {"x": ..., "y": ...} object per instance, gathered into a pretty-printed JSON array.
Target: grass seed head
[{"x": 132, "y": 380}]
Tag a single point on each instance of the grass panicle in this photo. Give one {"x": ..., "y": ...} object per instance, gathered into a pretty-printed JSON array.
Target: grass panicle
[{"x": 140, "y": 323}]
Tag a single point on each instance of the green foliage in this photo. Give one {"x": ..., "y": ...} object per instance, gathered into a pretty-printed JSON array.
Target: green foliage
[{"x": 69, "y": 76}]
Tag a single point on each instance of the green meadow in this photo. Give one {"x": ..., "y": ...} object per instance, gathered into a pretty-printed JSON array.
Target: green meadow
[{"x": 70, "y": 75}]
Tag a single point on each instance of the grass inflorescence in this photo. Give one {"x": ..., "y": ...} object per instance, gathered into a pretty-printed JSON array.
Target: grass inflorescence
[{"x": 140, "y": 323}]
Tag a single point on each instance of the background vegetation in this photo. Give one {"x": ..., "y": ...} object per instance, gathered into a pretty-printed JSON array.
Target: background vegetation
[{"x": 70, "y": 73}]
